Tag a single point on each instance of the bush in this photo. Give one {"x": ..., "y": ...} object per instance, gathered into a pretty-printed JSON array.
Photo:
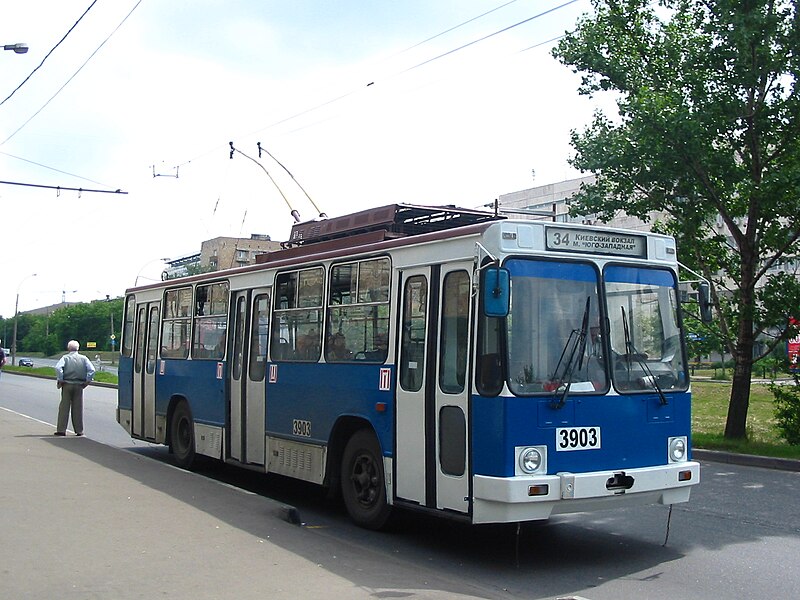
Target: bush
[{"x": 787, "y": 411}]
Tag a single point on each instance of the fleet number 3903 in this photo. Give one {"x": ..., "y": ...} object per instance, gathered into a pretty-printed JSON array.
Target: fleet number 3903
[
  {"x": 301, "y": 428},
  {"x": 577, "y": 438}
]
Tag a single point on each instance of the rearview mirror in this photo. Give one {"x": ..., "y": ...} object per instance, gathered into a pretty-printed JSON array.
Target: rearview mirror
[
  {"x": 496, "y": 292},
  {"x": 704, "y": 299}
]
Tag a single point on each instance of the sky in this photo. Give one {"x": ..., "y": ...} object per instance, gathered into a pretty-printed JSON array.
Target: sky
[{"x": 365, "y": 103}]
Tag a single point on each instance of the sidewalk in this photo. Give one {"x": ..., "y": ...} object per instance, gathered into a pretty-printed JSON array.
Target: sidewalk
[{"x": 80, "y": 520}]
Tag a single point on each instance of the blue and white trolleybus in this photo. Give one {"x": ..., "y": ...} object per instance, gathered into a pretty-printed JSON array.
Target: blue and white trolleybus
[{"x": 433, "y": 358}]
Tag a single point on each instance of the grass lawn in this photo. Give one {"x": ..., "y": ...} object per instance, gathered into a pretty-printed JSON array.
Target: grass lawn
[
  {"x": 50, "y": 372},
  {"x": 710, "y": 410}
]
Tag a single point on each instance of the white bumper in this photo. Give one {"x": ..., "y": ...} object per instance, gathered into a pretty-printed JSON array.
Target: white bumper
[{"x": 507, "y": 499}]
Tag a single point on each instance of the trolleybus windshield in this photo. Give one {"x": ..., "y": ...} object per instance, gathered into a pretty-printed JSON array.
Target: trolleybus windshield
[
  {"x": 646, "y": 349},
  {"x": 553, "y": 327}
]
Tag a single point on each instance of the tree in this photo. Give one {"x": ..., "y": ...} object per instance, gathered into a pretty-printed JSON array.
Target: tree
[
  {"x": 84, "y": 322},
  {"x": 708, "y": 131}
]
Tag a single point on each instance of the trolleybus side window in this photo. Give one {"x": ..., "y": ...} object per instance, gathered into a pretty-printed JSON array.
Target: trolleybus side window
[
  {"x": 298, "y": 315},
  {"x": 177, "y": 323},
  {"x": 412, "y": 350},
  {"x": 211, "y": 321},
  {"x": 358, "y": 312},
  {"x": 259, "y": 335},
  {"x": 454, "y": 334},
  {"x": 127, "y": 331}
]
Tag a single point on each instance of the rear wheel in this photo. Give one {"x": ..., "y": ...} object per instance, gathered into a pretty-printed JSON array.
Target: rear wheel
[
  {"x": 182, "y": 436},
  {"x": 363, "y": 482}
]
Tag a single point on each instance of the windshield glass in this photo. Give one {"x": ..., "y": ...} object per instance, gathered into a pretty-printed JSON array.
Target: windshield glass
[
  {"x": 554, "y": 328},
  {"x": 646, "y": 351}
]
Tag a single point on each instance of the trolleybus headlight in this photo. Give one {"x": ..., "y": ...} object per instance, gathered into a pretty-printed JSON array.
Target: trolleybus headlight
[
  {"x": 531, "y": 460},
  {"x": 677, "y": 449}
]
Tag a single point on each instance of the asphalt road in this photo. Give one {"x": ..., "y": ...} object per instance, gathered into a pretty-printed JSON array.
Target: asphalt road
[{"x": 738, "y": 537}]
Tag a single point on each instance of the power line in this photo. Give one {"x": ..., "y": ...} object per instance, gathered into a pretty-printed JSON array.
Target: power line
[
  {"x": 360, "y": 88},
  {"x": 49, "y": 53},
  {"x": 74, "y": 74},
  {"x": 52, "y": 168},
  {"x": 446, "y": 31},
  {"x": 544, "y": 43},
  {"x": 491, "y": 35},
  {"x": 371, "y": 83}
]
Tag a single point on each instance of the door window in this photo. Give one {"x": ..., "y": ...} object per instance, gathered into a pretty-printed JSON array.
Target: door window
[
  {"x": 412, "y": 350},
  {"x": 152, "y": 340},
  {"x": 238, "y": 337},
  {"x": 259, "y": 334},
  {"x": 454, "y": 340}
]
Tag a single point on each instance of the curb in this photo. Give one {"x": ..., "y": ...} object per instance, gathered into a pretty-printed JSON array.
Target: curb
[{"x": 747, "y": 460}]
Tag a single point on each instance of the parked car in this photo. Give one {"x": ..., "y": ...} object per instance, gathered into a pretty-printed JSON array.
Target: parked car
[{"x": 25, "y": 362}]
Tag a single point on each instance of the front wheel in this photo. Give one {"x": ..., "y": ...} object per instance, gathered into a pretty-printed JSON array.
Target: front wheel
[
  {"x": 182, "y": 436},
  {"x": 363, "y": 483}
]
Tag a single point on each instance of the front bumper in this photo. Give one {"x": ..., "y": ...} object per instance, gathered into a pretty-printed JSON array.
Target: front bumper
[{"x": 507, "y": 499}]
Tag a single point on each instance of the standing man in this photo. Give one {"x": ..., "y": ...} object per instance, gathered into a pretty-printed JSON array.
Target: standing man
[
  {"x": 73, "y": 373},
  {"x": 2, "y": 358}
]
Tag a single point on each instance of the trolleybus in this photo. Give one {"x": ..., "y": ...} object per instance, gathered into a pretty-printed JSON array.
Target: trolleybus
[{"x": 439, "y": 359}]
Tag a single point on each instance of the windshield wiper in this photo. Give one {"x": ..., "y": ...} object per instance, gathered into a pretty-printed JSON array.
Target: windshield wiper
[
  {"x": 633, "y": 354},
  {"x": 576, "y": 347}
]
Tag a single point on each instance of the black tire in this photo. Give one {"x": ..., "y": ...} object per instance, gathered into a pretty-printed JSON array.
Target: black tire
[
  {"x": 363, "y": 483},
  {"x": 182, "y": 436}
]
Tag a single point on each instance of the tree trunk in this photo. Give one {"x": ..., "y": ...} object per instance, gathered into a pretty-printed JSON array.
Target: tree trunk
[{"x": 736, "y": 425}]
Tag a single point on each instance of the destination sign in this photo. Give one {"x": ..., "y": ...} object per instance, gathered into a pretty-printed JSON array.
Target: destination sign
[{"x": 594, "y": 241}]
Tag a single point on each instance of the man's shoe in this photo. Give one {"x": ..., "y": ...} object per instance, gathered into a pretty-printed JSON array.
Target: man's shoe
[
  {"x": 61, "y": 433},
  {"x": 79, "y": 434}
]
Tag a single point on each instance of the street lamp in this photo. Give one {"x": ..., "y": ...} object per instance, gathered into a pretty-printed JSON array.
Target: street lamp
[
  {"x": 17, "y": 48},
  {"x": 16, "y": 318}
]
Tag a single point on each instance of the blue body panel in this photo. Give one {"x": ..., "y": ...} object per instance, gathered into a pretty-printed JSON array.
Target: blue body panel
[
  {"x": 125, "y": 383},
  {"x": 634, "y": 431},
  {"x": 329, "y": 391},
  {"x": 197, "y": 381},
  {"x": 335, "y": 391}
]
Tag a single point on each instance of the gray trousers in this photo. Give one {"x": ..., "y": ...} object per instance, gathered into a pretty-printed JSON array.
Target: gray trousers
[{"x": 71, "y": 401}]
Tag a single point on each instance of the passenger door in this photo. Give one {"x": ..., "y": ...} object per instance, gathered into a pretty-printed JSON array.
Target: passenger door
[
  {"x": 247, "y": 368},
  {"x": 414, "y": 401},
  {"x": 431, "y": 466},
  {"x": 452, "y": 388},
  {"x": 145, "y": 353}
]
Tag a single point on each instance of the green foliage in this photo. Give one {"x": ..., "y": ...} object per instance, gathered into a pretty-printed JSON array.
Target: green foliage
[
  {"x": 787, "y": 411},
  {"x": 706, "y": 131},
  {"x": 85, "y": 322}
]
